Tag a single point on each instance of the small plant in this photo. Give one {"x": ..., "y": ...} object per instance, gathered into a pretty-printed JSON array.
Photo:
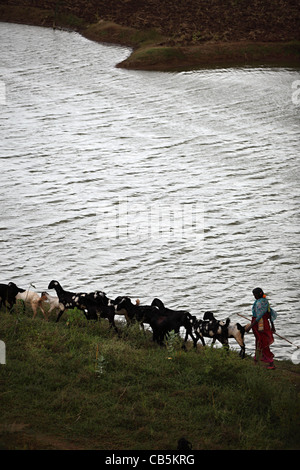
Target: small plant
[
  {"x": 74, "y": 317},
  {"x": 173, "y": 343},
  {"x": 100, "y": 366},
  {"x": 100, "y": 363}
]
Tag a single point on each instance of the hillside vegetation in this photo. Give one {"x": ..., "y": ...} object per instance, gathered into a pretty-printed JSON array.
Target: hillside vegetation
[
  {"x": 77, "y": 385},
  {"x": 174, "y": 34}
]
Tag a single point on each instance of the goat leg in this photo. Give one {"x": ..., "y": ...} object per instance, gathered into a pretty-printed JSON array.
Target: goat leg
[
  {"x": 59, "y": 315},
  {"x": 43, "y": 311}
]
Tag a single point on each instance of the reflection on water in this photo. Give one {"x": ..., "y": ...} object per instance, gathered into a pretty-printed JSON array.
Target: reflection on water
[{"x": 99, "y": 166}]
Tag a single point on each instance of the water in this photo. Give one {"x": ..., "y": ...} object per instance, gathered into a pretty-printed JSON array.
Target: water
[{"x": 99, "y": 164}]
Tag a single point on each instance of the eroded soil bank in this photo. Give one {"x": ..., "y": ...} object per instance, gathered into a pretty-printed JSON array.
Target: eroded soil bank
[{"x": 188, "y": 35}]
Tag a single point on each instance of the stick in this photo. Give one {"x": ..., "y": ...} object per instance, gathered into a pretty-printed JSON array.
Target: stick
[
  {"x": 287, "y": 340},
  {"x": 240, "y": 315},
  {"x": 30, "y": 285}
]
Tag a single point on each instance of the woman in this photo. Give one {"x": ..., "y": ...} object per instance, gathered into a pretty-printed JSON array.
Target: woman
[{"x": 262, "y": 313}]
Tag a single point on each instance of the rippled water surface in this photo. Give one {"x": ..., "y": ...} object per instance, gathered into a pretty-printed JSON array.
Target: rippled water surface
[{"x": 183, "y": 186}]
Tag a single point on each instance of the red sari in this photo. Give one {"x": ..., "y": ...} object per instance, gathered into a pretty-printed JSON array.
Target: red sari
[{"x": 264, "y": 338}]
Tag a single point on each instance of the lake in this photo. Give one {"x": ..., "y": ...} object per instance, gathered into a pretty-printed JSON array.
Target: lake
[{"x": 182, "y": 185}]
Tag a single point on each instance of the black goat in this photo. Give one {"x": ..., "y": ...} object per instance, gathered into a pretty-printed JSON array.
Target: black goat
[
  {"x": 66, "y": 298},
  {"x": 8, "y": 294},
  {"x": 142, "y": 314},
  {"x": 175, "y": 320},
  {"x": 95, "y": 305},
  {"x": 122, "y": 310},
  {"x": 135, "y": 312},
  {"x": 163, "y": 324},
  {"x": 69, "y": 299},
  {"x": 160, "y": 319}
]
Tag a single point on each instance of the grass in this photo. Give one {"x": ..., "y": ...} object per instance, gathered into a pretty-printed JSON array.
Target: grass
[
  {"x": 77, "y": 385},
  {"x": 107, "y": 31}
]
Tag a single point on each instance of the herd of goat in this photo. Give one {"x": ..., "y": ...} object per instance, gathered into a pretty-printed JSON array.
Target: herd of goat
[{"x": 97, "y": 305}]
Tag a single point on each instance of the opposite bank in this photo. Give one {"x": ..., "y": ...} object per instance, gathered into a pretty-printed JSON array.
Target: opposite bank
[{"x": 152, "y": 49}]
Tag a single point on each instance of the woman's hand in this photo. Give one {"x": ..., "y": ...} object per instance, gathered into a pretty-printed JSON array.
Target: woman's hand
[{"x": 248, "y": 327}]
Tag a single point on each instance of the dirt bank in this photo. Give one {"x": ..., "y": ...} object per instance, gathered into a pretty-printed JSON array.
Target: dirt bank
[{"x": 177, "y": 34}]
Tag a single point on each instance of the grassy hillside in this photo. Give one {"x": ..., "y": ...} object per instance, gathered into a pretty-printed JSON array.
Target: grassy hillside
[
  {"x": 77, "y": 385},
  {"x": 177, "y": 34}
]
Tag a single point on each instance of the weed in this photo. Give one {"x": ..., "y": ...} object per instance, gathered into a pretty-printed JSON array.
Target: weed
[{"x": 75, "y": 317}]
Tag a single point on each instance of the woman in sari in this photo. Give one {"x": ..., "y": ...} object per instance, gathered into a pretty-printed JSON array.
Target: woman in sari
[{"x": 262, "y": 316}]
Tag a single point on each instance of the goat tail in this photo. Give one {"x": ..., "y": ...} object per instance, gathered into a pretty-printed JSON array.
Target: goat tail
[{"x": 241, "y": 329}]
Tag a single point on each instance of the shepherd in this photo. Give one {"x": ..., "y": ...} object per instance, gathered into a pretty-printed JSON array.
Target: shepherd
[{"x": 262, "y": 324}]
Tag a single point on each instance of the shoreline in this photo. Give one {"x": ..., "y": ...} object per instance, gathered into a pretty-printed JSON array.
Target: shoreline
[{"x": 153, "y": 51}]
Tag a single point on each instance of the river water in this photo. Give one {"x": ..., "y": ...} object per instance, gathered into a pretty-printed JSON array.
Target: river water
[{"x": 182, "y": 186}]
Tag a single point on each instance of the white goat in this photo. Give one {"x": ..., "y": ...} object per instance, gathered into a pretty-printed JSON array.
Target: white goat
[
  {"x": 33, "y": 299},
  {"x": 237, "y": 332},
  {"x": 53, "y": 301}
]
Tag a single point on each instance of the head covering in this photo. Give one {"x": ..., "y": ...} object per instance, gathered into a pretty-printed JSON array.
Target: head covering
[{"x": 258, "y": 293}]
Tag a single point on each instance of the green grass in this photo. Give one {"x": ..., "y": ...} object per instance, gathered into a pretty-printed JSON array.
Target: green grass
[
  {"x": 76, "y": 383},
  {"x": 108, "y": 31},
  {"x": 153, "y": 55}
]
